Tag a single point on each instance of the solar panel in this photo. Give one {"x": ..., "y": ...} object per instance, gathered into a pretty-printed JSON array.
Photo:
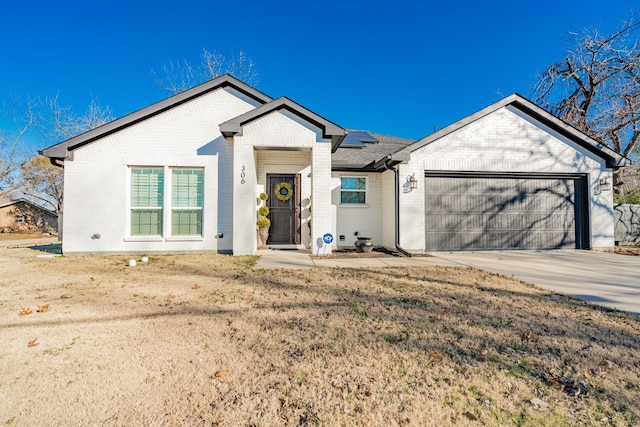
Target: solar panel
[{"x": 358, "y": 139}]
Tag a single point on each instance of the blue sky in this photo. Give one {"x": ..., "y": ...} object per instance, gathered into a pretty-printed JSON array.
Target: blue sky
[{"x": 394, "y": 67}]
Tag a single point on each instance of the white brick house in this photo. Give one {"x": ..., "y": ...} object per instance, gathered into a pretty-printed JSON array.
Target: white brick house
[{"x": 185, "y": 174}]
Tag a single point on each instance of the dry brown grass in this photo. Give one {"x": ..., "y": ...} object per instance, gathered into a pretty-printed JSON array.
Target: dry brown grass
[{"x": 206, "y": 340}]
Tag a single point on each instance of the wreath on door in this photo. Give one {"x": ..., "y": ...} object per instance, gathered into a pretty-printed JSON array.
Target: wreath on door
[{"x": 283, "y": 191}]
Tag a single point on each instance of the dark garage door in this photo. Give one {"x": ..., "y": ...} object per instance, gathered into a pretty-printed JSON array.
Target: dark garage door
[{"x": 487, "y": 212}]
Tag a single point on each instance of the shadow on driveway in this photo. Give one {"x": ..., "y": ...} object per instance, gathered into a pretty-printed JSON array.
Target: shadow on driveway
[{"x": 606, "y": 279}]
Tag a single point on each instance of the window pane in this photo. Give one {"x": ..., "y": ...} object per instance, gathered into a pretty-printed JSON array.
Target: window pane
[
  {"x": 146, "y": 222},
  {"x": 187, "y": 187},
  {"x": 353, "y": 183},
  {"x": 357, "y": 197},
  {"x": 147, "y": 187},
  {"x": 186, "y": 222}
]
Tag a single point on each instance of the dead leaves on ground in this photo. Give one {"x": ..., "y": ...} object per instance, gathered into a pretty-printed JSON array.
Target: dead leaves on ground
[
  {"x": 435, "y": 357},
  {"x": 34, "y": 342},
  {"x": 25, "y": 311},
  {"x": 529, "y": 336},
  {"x": 219, "y": 374}
]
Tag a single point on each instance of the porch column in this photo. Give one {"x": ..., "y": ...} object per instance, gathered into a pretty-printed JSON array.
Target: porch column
[
  {"x": 244, "y": 198},
  {"x": 320, "y": 197}
]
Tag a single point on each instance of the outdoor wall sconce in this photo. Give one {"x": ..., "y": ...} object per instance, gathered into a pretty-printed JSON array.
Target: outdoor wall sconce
[
  {"x": 412, "y": 181},
  {"x": 604, "y": 184}
]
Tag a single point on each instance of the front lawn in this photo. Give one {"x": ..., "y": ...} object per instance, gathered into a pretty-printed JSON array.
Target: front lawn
[{"x": 207, "y": 340}]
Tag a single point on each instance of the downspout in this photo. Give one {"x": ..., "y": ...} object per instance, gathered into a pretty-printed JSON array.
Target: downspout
[{"x": 396, "y": 174}]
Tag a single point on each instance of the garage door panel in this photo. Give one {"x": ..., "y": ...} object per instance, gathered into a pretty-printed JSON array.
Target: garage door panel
[{"x": 473, "y": 213}]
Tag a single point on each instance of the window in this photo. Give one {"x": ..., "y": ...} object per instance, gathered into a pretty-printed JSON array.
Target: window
[
  {"x": 20, "y": 218},
  {"x": 187, "y": 188},
  {"x": 147, "y": 188},
  {"x": 353, "y": 190}
]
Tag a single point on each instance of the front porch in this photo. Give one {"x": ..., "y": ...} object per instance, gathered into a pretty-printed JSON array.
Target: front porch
[{"x": 282, "y": 148}]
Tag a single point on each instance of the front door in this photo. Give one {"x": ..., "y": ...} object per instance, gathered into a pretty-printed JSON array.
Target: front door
[{"x": 284, "y": 208}]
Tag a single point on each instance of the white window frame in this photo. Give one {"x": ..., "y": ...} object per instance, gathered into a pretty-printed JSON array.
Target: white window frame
[
  {"x": 365, "y": 191},
  {"x": 172, "y": 235},
  {"x": 160, "y": 208}
]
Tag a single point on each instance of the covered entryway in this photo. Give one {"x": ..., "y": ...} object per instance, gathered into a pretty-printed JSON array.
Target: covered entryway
[
  {"x": 475, "y": 211},
  {"x": 284, "y": 208}
]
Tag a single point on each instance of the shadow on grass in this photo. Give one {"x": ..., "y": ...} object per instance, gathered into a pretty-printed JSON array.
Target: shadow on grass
[{"x": 475, "y": 319}]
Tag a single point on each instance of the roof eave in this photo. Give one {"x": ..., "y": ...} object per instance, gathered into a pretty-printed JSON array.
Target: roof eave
[
  {"x": 329, "y": 129},
  {"x": 61, "y": 150},
  {"x": 611, "y": 157},
  {"x": 390, "y": 160}
]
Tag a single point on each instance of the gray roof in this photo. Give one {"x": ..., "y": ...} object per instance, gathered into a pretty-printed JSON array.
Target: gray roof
[
  {"x": 4, "y": 202},
  {"x": 329, "y": 129},
  {"x": 61, "y": 150},
  {"x": 612, "y": 158},
  {"x": 369, "y": 151}
]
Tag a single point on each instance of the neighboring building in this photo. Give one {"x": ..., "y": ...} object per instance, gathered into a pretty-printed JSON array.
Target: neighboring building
[
  {"x": 23, "y": 216},
  {"x": 185, "y": 174}
]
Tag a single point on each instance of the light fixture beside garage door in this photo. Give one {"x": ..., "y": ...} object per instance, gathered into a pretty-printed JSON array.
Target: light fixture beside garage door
[{"x": 412, "y": 182}]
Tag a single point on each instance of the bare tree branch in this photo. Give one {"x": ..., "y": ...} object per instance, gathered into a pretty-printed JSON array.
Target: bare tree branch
[
  {"x": 60, "y": 123},
  {"x": 179, "y": 76},
  {"x": 43, "y": 181},
  {"x": 596, "y": 87},
  {"x": 12, "y": 152}
]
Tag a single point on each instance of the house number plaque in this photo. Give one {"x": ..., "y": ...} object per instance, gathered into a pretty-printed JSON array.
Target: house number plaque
[{"x": 242, "y": 174}]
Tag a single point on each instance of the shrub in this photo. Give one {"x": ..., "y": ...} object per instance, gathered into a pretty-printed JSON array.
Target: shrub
[
  {"x": 263, "y": 211},
  {"x": 632, "y": 198},
  {"x": 264, "y": 196},
  {"x": 263, "y": 222}
]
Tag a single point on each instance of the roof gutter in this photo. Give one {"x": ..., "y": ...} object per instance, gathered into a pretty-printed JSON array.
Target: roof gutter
[{"x": 396, "y": 174}]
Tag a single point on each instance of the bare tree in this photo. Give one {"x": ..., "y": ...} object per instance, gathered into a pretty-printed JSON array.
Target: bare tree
[
  {"x": 42, "y": 181},
  {"x": 13, "y": 151},
  {"x": 596, "y": 88},
  {"x": 60, "y": 123},
  {"x": 36, "y": 120},
  {"x": 628, "y": 189},
  {"x": 181, "y": 75}
]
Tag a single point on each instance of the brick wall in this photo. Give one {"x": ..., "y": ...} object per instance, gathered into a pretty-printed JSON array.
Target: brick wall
[
  {"x": 97, "y": 182},
  {"x": 366, "y": 220},
  {"x": 505, "y": 141}
]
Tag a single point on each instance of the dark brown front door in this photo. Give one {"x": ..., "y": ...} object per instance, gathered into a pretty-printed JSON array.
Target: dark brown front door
[{"x": 284, "y": 208}]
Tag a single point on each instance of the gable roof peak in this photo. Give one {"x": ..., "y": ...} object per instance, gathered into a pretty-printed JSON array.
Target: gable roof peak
[
  {"x": 515, "y": 100},
  {"x": 62, "y": 149},
  {"x": 329, "y": 129}
]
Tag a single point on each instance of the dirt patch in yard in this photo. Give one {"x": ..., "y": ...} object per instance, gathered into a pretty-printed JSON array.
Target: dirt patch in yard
[
  {"x": 353, "y": 253},
  {"x": 633, "y": 251},
  {"x": 380, "y": 252},
  {"x": 207, "y": 340}
]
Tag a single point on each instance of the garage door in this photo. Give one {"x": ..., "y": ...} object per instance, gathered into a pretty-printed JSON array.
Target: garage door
[{"x": 487, "y": 212}]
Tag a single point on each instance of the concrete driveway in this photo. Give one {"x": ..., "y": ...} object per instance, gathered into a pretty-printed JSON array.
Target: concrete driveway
[{"x": 603, "y": 278}]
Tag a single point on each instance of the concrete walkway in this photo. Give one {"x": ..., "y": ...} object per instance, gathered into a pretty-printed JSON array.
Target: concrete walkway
[
  {"x": 29, "y": 242},
  {"x": 270, "y": 259},
  {"x": 603, "y": 278}
]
